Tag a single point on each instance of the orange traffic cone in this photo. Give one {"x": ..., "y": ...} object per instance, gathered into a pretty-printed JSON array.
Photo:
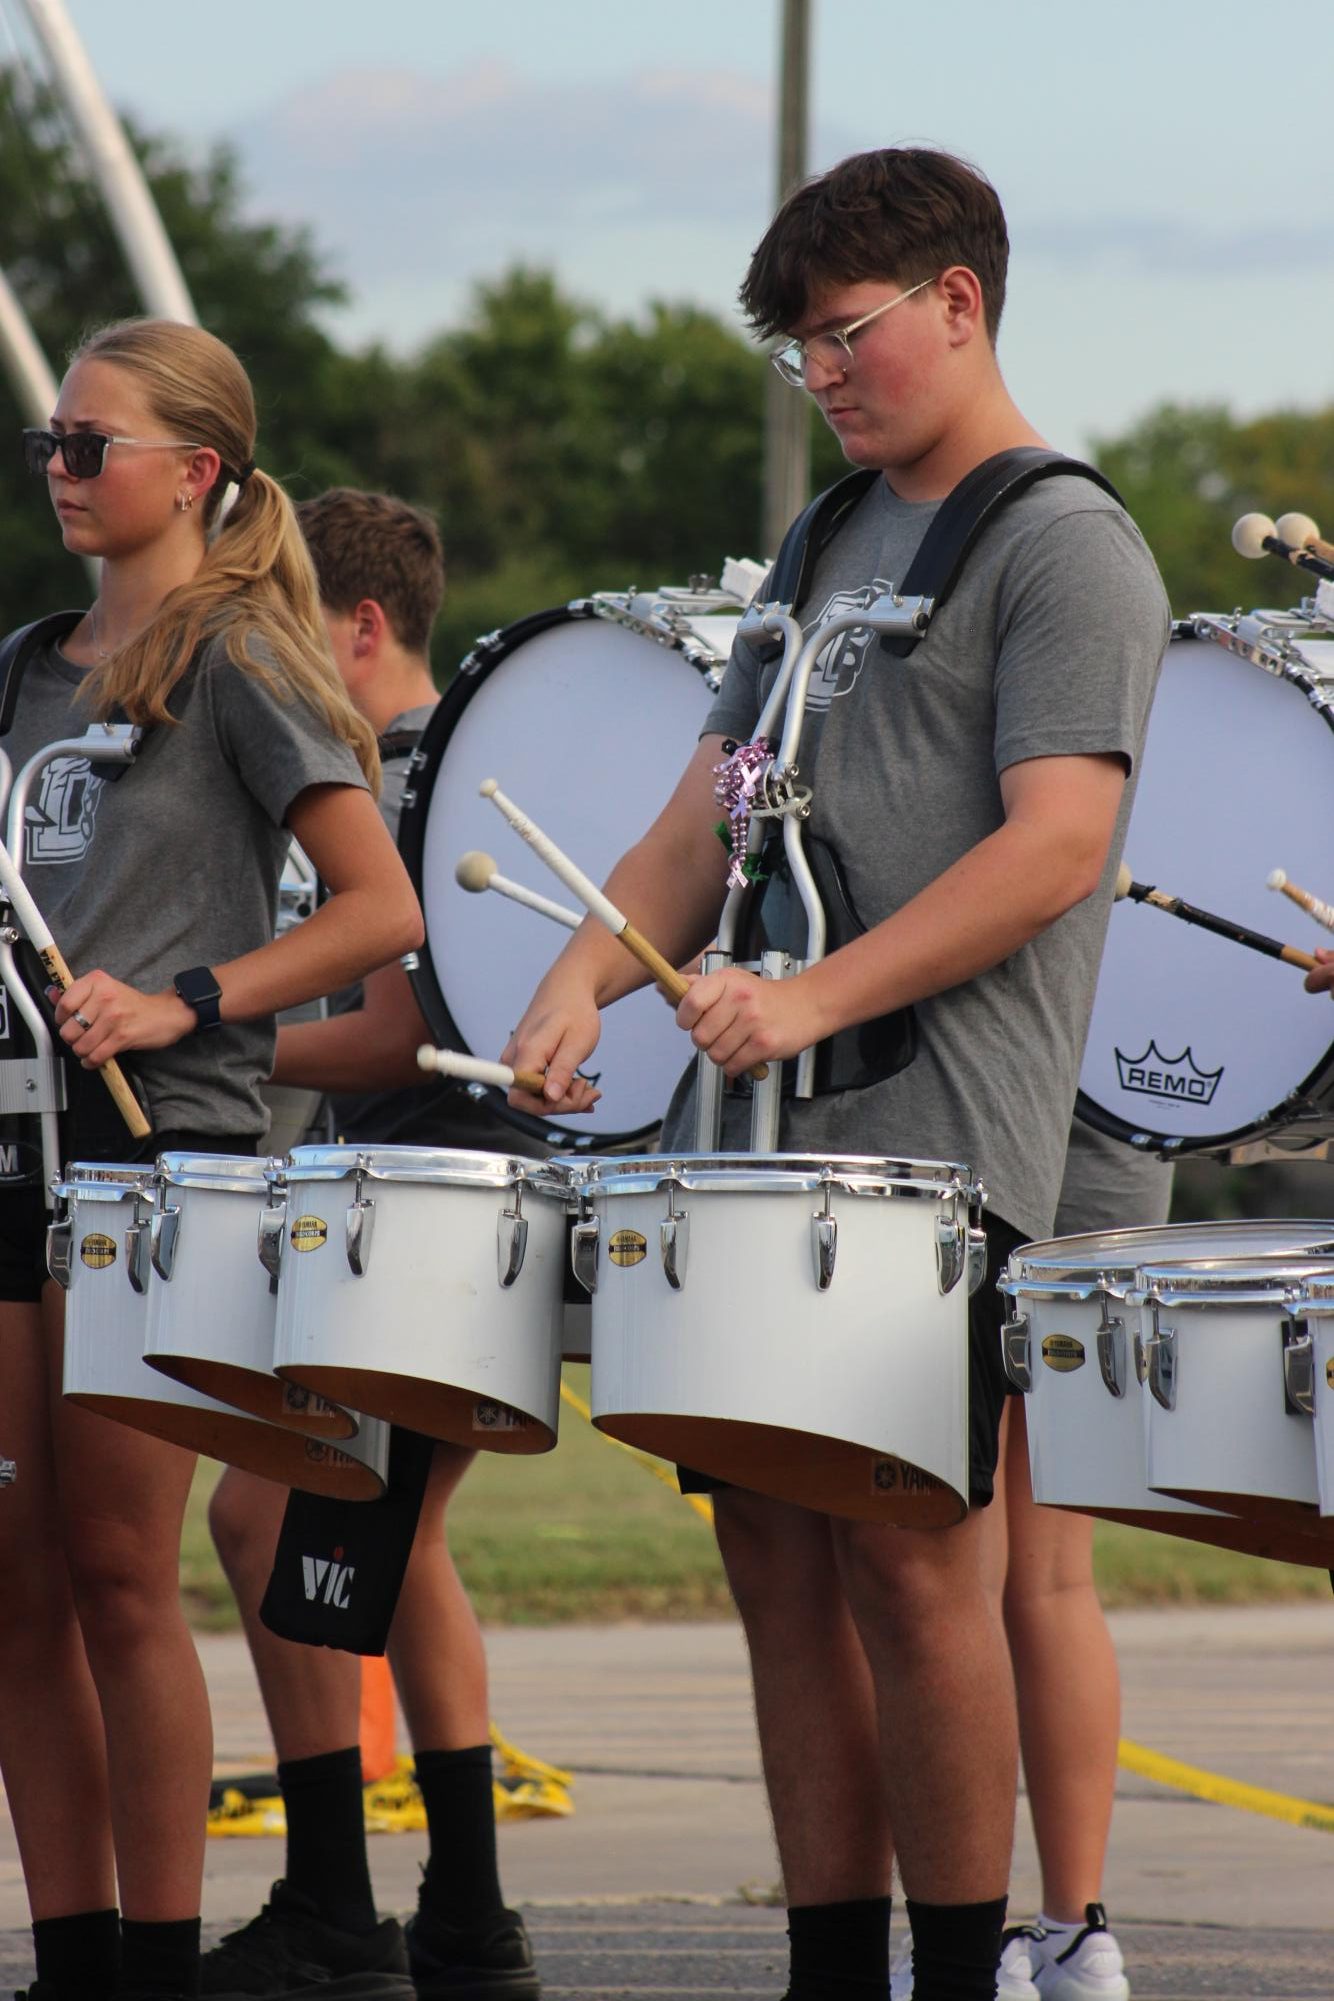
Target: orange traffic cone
[{"x": 377, "y": 1719}]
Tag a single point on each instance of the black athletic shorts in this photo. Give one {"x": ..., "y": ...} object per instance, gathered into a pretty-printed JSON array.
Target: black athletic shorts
[
  {"x": 988, "y": 1384},
  {"x": 24, "y": 1214}
]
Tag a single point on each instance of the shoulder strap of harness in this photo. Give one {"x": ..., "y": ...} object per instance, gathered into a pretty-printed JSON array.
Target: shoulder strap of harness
[
  {"x": 959, "y": 520},
  {"x": 397, "y": 743},
  {"x": 18, "y": 648},
  {"x": 965, "y": 512}
]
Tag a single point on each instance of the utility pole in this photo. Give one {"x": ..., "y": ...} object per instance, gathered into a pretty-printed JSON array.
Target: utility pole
[{"x": 787, "y": 437}]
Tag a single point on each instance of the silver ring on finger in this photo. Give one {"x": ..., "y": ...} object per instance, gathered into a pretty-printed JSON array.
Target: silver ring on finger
[{"x": 82, "y": 1019}]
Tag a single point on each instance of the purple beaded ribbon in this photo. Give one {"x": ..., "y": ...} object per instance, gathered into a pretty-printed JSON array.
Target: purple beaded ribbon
[{"x": 739, "y": 779}]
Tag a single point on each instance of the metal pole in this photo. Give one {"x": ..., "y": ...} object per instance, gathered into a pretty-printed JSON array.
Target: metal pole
[
  {"x": 787, "y": 445},
  {"x": 129, "y": 204},
  {"x": 23, "y": 361}
]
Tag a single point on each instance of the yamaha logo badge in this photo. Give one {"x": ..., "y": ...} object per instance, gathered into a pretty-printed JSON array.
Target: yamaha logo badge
[
  {"x": 1063, "y": 1353},
  {"x": 98, "y": 1251},
  {"x": 1179, "y": 1078},
  {"x": 627, "y": 1247},
  {"x": 309, "y": 1233}
]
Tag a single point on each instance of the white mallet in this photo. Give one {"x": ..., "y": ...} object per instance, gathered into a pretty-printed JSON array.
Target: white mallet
[
  {"x": 477, "y": 871},
  {"x": 474, "y": 1070},
  {"x": 595, "y": 902},
  {"x": 1255, "y": 535}
]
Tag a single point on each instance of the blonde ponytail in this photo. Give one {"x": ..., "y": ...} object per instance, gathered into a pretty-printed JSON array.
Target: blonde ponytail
[{"x": 255, "y": 588}]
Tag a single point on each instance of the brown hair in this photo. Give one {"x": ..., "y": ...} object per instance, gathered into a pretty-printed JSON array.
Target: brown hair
[
  {"x": 255, "y": 586},
  {"x": 370, "y": 545},
  {"x": 905, "y": 213}
]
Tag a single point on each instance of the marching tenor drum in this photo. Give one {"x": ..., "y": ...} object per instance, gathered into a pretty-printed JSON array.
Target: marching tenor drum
[
  {"x": 1308, "y": 1374},
  {"x": 211, "y": 1302},
  {"x": 795, "y": 1324},
  {"x": 1222, "y": 1353},
  {"x": 425, "y": 1285},
  {"x": 97, "y": 1248},
  {"x": 1174, "y": 1058},
  {"x": 591, "y": 712},
  {"x": 1074, "y": 1345}
]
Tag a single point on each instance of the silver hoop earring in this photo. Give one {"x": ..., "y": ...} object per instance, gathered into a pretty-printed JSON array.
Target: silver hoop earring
[{"x": 185, "y": 501}]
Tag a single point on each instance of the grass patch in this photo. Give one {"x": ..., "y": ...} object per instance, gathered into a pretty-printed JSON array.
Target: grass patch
[{"x": 584, "y": 1533}]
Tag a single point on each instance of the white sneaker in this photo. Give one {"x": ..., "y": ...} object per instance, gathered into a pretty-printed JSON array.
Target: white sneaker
[
  {"x": 1014, "y": 1982},
  {"x": 1083, "y": 1966}
]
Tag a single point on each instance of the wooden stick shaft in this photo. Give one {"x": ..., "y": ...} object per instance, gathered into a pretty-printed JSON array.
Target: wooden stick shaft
[
  {"x": 1222, "y": 927},
  {"x": 111, "y": 1073},
  {"x": 597, "y": 904},
  {"x": 1323, "y": 913}
]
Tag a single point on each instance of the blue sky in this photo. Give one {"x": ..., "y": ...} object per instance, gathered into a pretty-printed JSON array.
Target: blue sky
[{"x": 1164, "y": 166}]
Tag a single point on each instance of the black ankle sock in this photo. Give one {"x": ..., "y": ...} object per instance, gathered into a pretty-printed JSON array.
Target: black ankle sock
[
  {"x": 462, "y": 1881},
  {"x": 159, "y": 1958},
  {"x": 326, "y": 1837},
  {"x": 80, "y": 1953},
  {"x": 955, "y": 1950},
  {"x": 839, "y": 1950}
]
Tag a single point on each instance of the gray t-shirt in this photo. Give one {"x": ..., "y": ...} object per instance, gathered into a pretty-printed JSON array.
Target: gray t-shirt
[
  {"x": 176, "y": 863},
  {"x": 1109, "y": 1186},
  {"x": 1049, "y": 646}
]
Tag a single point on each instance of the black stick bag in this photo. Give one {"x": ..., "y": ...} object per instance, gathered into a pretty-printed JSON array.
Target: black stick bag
[{"x": 338, "y": 1566}]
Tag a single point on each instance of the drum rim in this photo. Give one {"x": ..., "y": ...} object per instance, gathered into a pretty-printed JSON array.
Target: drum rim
[
  {"x": 1204, "y": 1276},
  {"x": 428, "y": 1166},
  {"x": 240, "y": 1173},
  {"x": 768, "y": 1173},
  {"x": 1028, "y": 1266},
  {"x": 476, "y": 668},
  {"x": 104, "y": 1181}
]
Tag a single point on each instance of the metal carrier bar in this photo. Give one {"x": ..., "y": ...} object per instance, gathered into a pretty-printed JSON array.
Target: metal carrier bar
[
  {"x": 40, "y": 1080},
  {"x": 890, "y": 615}
]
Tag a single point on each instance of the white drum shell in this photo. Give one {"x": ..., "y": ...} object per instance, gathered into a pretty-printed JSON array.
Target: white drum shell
[
  {"x": 1316, "y": 1309},
  {"x": 211, "y": 1322},
  {"x": 1229, "y": 1435},
  {"x": 852, "y": 1400},
  {"x": 428, "y": 1336},
  {"x": 1088, "y": 1448},
  {"x": 106, "y": 1322}
]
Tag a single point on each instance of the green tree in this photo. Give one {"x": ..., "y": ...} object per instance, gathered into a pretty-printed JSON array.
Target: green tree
[{"x": 1186, "y": 474}]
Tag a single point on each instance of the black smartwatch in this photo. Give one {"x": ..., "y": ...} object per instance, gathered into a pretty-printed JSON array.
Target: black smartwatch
[{"x": 199, "y": 989}]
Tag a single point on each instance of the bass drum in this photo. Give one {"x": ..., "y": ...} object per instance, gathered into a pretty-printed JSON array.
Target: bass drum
[
  {"x": 586, "y": 716},
  {"x": 1196, "y": 1045}
]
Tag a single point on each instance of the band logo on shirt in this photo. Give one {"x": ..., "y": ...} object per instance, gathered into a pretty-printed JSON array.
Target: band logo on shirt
[
  {"x": 838, "y": 664},
  {"x": 58, "y": 825}
]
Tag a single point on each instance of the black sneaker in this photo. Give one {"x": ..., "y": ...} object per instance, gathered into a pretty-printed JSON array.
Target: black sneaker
[
  {"x": 289, "y": 1949},
  {"x": 490, "y": 1961}
]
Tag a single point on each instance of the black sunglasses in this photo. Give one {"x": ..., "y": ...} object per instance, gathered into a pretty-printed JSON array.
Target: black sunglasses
[{"x": 85, "y": 452}]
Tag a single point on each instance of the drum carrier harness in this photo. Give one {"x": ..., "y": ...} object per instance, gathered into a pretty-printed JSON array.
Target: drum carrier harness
[{"x": 767, "y": 805}]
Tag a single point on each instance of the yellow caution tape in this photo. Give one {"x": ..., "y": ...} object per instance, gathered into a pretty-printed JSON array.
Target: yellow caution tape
[
  {"x": 1223, "y": 1792},
  {"x": 523, "y": 1789},
  {"x": 701, "y": 1503}
]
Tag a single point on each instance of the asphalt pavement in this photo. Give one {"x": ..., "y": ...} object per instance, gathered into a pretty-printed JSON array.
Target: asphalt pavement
[{"x": 655, "y": 1886}]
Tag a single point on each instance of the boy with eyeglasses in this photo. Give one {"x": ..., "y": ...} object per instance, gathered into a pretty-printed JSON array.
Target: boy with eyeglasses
[{"x": 976, "y": 796}]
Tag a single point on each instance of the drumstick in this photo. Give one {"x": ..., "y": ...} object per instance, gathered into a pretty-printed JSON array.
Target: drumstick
[
  {"x": 1302, "y": 533},
  {"x": 1255, "y": 535},
  {"x": 1224, "y": 927},
  {"x": 596, "y": 903},
  {"x": 450, "y": 1063},
  {"x": 1323, "y": 913},
  {"x": 477, "y": 871},
  {"x": 39, "y": 937}
]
